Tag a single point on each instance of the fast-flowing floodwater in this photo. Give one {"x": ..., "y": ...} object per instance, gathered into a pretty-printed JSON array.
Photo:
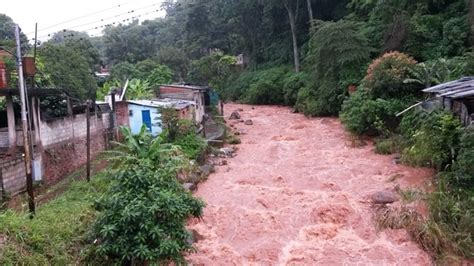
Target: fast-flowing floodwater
[{"x": 296, "y": 194}]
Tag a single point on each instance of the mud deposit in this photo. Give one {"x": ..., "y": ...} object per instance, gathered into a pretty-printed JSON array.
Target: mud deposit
[{"x": 296, "y": 194}]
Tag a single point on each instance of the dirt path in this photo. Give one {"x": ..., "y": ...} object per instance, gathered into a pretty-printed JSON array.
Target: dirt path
[{"x": 295, "y": 194}]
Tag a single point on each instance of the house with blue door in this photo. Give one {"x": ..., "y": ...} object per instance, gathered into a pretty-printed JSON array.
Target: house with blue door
[{"x": 147, "y": 112}]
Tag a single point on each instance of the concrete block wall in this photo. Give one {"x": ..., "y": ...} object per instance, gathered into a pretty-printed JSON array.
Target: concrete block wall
[
  {"x": 64, "y": 151},
  {"x": 13, "y": 176},
  {"x": 62, "y": 159},
  {"x": 4, "y": 143},
  {"x": 122, "y": 113}
]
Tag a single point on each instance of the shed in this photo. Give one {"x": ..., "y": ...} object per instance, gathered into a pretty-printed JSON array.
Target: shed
[
  {"x": 198, "y": 94},
  {"x": 147, "y": 112},
  {"x": 456, "y": 96}
]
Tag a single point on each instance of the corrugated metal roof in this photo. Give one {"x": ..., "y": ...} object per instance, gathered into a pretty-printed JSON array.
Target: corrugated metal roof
[
  {"x": 165, "y": 103},
  {"x": 460, "y": 88},
  {"x": 189, "y": 87}
]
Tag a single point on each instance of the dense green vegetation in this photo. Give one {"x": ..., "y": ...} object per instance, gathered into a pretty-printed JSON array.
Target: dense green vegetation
[
  {"x": 133, "y": 213},
  {"x": 142, "y": 215}
]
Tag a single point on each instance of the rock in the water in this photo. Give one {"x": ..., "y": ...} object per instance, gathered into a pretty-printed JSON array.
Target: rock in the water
[
  {"x": 240, "y": 110},
  {"x": 234, "y": 115},
  {"x": 194, "y": 237},
  {"x": 207, "y": 169},
  {"x": 227, "y": 151},
  {"x": 189, "y": 186},
  {"x": 248, "y": 122},
  {"x": 384, "y": 197}
]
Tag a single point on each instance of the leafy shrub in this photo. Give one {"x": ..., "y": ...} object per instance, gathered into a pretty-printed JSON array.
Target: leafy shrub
[
  {"x": 387, "y": 145},
  {"x": 437, "y": 71},
  {"x": 143, "y": 214},
  {"x": 173, "y": 126},
  {"x": 139, "y": 90},
  {"x": 292, "y": 84},
  {"x": 386, "y": 75},
  {"x": 267, "y": 87},
  {"x": 182, "y": 133},
  {"x": 326, "y": 100},
  {"x": 463, "y": 169},
  {"x": 237, "y": 85},
  {"x": 192, "y": 145},
  {"x": 160, "y": 74},
  {"x": 435, "y": 142},
  {"x": 362, "y": 115}
]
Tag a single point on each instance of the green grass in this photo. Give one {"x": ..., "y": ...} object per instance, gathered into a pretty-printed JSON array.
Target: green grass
[
  {"x": 411, "y": 195},
  {"x": 56, "y": 233}
]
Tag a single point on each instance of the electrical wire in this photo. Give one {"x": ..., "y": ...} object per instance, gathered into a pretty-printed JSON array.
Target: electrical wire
[
  {"x": 103, "y": 25},
  {"x": 101, "y": 21},
  {"x": 111, "y": 23},
  {"x": 111, "y": 17},
  {"x": 81, "y": 17}
]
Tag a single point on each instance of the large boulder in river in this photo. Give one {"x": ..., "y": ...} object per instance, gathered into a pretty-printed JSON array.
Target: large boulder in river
[
  {"x": 384, "y": 197},
  {"x": 234, "y": 115}
]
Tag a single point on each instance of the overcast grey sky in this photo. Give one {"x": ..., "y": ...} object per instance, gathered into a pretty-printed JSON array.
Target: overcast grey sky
[{"x": 49, "y": 13}]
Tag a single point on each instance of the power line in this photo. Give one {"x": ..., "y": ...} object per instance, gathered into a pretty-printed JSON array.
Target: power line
[
  {"x": 81, "y": 17},
  {"x": 100, "y": 21},
  {"x": 98, "y": 26},
  {"x": 111, "y": 17},
  {"x": 111, "y": 23}
]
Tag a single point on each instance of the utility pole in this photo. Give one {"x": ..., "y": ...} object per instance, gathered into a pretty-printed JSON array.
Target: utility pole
[
  {"x": 88, "y": 140},
  {"x": 24, "y": 123}
]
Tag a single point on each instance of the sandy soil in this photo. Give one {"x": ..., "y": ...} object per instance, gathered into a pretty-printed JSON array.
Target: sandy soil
[{"x": 296, "y": 194}]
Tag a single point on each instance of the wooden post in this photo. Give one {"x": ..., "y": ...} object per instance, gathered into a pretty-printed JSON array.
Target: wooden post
[
  {"x": 88, "y": 140},
  {"x": 204, "y": 126},
  {"x": 11, "y": 123},
  {"x": 113, "y": 117}
]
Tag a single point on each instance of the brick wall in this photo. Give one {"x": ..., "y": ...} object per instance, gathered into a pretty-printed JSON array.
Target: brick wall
[
  {"x": 170, "y": 89},
  {"x": 62, "y": 159},
  {"x": 122, "y": 113},
  {"x": 63, "y": 150},
  {"x": 13, "y": 176}
]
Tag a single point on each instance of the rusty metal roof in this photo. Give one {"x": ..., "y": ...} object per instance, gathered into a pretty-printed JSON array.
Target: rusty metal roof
[{"x": 456, "y": 89}]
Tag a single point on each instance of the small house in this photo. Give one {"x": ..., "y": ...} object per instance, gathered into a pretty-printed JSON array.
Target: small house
[
  {"x": 147, "y": 112},
  {"x": 199, "y": 95},
  {"x": 456, "y": 96}
]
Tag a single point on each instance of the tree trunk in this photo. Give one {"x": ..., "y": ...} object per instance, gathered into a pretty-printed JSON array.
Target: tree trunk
[
  {"x": 310, "y": 11},
  {"x": 471, "y": 20},
  {"x": 292, "y": 18}
]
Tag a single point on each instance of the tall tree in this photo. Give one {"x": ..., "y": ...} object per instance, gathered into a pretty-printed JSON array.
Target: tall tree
[
  {"x": 310, "y": 10},
  {"x": 471, "y": 20},
  {"x": 292, "y": 17}
]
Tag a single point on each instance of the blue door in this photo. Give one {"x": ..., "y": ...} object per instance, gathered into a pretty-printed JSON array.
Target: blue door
[{"x": 146, "y": 119}]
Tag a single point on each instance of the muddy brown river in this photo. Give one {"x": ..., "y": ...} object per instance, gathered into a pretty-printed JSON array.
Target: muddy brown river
[{"x": 296, "y": 194}]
